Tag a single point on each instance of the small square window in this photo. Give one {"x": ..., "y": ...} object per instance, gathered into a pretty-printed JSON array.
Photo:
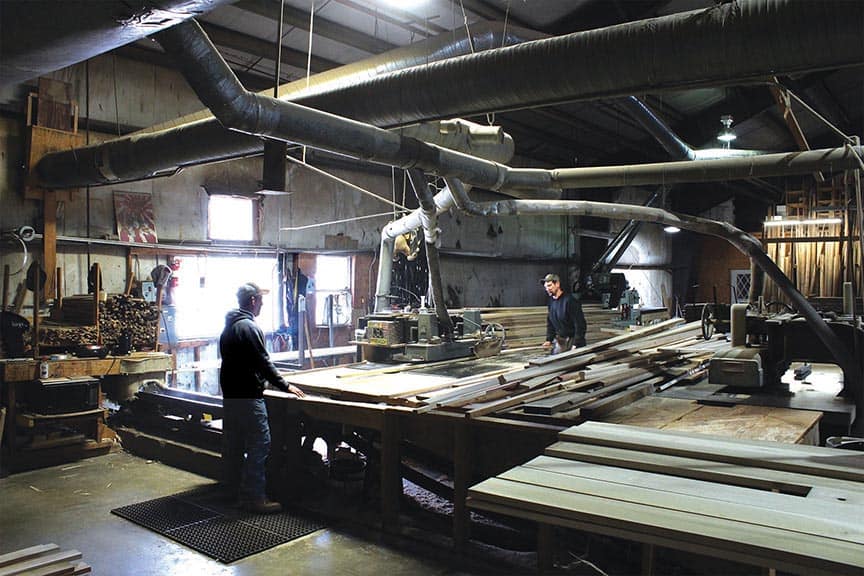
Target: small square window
[{"x": 232, "y": 218}]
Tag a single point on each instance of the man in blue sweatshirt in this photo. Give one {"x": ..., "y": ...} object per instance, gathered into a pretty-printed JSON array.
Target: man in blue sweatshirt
[
  {"x": 246, "y": 370},
  {"x": 565, "y": 324}
]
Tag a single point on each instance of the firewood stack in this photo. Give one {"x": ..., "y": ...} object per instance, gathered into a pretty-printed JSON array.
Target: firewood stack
[{"x": 117, "y": 314}]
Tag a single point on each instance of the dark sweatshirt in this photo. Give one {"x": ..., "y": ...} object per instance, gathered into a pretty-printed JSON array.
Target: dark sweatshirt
[
  {"x": 246, "y": 365},
  {"x": 565, "y": 319}
]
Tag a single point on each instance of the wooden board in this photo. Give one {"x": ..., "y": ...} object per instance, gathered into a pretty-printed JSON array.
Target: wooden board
[
  {"x": 811, "y": 487},
  {"x": 42, "y": 141},
  {"x": 837, "y": 520},
  {"x": 846, "y": 465},
  {"x": 772, "y": 545},
  {"x": 17, "y": 370},
  {"x": 391, "y": 384}
]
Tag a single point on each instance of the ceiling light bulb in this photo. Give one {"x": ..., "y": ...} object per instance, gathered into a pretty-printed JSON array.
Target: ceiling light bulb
[
  {"x": 671, "y": 229},
  {"x": 726, "y": 135}
]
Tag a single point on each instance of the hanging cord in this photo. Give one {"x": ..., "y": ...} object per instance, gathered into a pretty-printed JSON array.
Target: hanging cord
[
  {"x": 506, "y": 19},
  {"x": 279, "y": 32},
  {"x": 116, "y": 104},
  {"x": 860, "y": 212},
  {"x": 490, "y": 117},
  {"x": 349, "y": 184},
  {"x": 467, "y": 30},
  {"x": 309, "y": 55}
]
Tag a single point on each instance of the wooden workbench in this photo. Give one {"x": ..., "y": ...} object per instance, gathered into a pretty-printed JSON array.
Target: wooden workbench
[
  {"x": 373, "y": 398},
  {"x": 795, "y": 508},
  {"x": 98, "y": 439}
]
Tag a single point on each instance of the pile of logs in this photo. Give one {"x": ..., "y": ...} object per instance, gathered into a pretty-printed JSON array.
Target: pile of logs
[
  {"x": 121, "y": 313},
  {"x": 589, "y": 381},
  {"x": 118, "y": 314}
]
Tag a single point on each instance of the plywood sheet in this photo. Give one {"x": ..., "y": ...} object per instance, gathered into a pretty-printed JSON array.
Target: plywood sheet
[{"x": 748, "y": 422}]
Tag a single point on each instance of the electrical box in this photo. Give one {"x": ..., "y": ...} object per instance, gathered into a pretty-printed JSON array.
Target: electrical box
[
  {"x": 384, "y": 332},
  {"x": 148, "y": 291}
]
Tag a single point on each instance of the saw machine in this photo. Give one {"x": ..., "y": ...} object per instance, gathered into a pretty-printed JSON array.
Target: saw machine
[
  {"x": 415, "y": 337},
  {"x": 764, "y": 345}
]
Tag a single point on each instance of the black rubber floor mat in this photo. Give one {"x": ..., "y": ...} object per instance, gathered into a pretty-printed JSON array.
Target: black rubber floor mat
[{"x": 204, "y": 521}]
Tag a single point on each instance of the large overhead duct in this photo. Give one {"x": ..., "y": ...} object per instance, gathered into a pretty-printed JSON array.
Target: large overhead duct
[
  {"x": 199, "y": 138},
  {"x": 40, "y": 36},
  {"x": 244, "y": 111},
  {"x": 728, "y": 44}
]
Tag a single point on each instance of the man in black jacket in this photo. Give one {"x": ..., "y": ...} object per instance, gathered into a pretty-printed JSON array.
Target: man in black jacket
[
  {"x": 246, "y": 369},
  {"x": 565, "y": 324}
]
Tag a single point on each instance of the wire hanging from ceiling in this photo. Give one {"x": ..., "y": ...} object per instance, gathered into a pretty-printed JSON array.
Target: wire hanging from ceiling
[
  {"x": 309, "y": 55},
  {"x": 490, "y": 117}
]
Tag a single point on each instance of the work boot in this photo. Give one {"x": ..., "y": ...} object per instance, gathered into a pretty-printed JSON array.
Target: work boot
[{"x": 262, "y": 506}]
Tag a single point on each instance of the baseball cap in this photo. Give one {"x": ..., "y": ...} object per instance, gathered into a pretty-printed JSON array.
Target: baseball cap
[
  {"x": 550, "y": 278},
  {"x": 248, "y": 290}
]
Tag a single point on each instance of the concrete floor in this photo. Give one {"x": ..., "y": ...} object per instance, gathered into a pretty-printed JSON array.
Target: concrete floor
[{"x": 70, "y": 505}]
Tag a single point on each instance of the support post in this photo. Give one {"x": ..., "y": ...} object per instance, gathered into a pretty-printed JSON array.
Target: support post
[
  {"x": 462, "y": 440},
  {"x": 391, "y": 471}
]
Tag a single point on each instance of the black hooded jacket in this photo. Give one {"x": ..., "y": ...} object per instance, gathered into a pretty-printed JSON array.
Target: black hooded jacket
[{"x": 246, "y": 365}]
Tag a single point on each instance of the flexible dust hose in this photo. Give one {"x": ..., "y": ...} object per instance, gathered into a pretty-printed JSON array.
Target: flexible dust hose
[{"x": 431, "y": 233}]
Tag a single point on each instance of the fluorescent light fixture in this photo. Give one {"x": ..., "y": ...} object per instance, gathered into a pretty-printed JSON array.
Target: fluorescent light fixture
[
  {"x": 802, "y": 222},
  {"x": 671, "y": 229}
]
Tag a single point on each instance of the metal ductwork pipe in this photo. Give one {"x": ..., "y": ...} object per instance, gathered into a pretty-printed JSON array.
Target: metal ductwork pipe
[
  {"x": 45, "y": 35},
  {"x": 728, "y": 44},
  {"x": 744, "y": 242},
  {"x": 443, "y": 202},
  {"x": 200, "y": 138},
  {"x": 677, "y": 148},
  {"x": 739, "y": 168}
]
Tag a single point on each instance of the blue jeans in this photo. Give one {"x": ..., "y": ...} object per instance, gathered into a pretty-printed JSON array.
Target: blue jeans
[{"x": 245, "y": 446}]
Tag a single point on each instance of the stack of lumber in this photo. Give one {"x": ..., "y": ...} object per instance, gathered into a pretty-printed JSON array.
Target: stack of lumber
[
  {"x": 600, "y": 321},
  {"x": 789, "y": 507},
  {"x": 523, "y": 326},
  {"x": 527, "y": 383},
  {"x": 526, "y": 326},
  {"x": 45, "y": 560},
  {"x": 587, "y": 382},
  {"x": 399, "y": 384}
]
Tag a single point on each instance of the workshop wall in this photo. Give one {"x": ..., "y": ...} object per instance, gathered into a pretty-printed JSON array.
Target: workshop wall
[
  {"x": 651, "y": 248},
  {"x": 131, "y": 94}
]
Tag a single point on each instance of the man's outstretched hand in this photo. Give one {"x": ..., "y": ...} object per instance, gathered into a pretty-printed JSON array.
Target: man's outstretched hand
[{"x": 296, "y": 391}]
